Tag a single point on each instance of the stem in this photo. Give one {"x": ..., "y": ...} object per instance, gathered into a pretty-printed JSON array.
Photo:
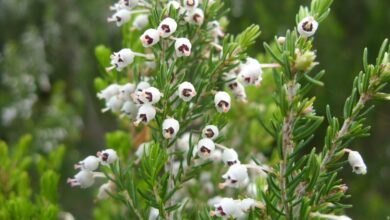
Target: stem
[
  {"x": 287, "y": 145},
  {"x": 221, "y": 146},
  {"x": 344, "y": 130}
]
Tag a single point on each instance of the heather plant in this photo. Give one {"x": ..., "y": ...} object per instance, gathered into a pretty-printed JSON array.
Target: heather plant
[{"x": 172, "y": 86}]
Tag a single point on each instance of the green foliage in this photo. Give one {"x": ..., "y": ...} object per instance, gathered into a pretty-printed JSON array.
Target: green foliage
[{"x": 18, "y": 198}]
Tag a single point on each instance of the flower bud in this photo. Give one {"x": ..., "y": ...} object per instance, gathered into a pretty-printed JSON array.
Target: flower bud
[
  {"x": 196, "y": 16},
  {"x": 281, "y": 40},
  {"x": 84, "y": 179},
  {"x": 170, "y": 128},
  {"x": 222, "y": 102},
  {"x": 121, "y": 59},
  {"x": 307, "y": 27},
  {"x": 145, "y": 114},
  {"x": 205, "y": 148},
  {"x": 191, "y": 4},
  {"x": 140, "y": 22},
  {"x": 150, "y": 95},
  {"x": 236, "y": 176},
  {"x": 90, "y": 163},
  {"x": 167, "y": 27},
  {"x": 105, "y": 190},
  {"x": 107, "y": 156},
  {"x": 186, "y": 91},
  {"x": 227, "y": 208},
  {"x": 183, "y": 47},
  {"x": 109, "y": 91},
  {"x": 230, "y": 157},
  {"x": 129, "y": 109},
  {"x": 210, "y": 131},
  {"x": 305, "y": 61},
  {"x": 356, "y": 162},
  {"x": 120, "y": 17},
  {"x": 150, "y": 37}
]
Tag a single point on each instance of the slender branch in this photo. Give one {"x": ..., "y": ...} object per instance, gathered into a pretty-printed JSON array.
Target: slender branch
[{"x": 287, "y": 145}]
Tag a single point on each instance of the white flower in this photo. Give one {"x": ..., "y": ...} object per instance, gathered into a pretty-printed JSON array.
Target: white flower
[
  {"x": 121, "y": 59},
  {"x": 186, "y": 91},
  {"x": 236, "y": 176},
  {"x": 142, "y": 85},
  {"x": 356, "y": 162},
  {"x": 153, "y": 214},
  {"x": 228, "y": 208},
  {"x": 109, "y": 91},
  {"x": 251, "y": 72},
  {"x": 114, "y": 104},
  {"x": 222, "y": 102},
  {"x": 127, "y": 90},
  {"x": 210, "y": 131},
  {"x": 150, "y": 95},
  {"x": 125, "y": 4},
  {"x": 120, "y": 17},
  {"x": 307, "y": 27},
  {"x": 107, "y": 156},
  {"x": 170, "y": 128},
  {"x": 140, "y": 21},
  {"x": 191, "y": 4},
  {"x": 90, "y": 163},
  {"x": 84, "y": 179},
  {"x": 150, "y": 37},
  {"x": 129, "y": 109},
  {"x": 167, "y": 27},
  {"x": 183, "y": 47},
  {"x": 205, "y": 148},
  {"x": 174, "y": 4},
  {"x": 230, "y": 157},
  {"x": 196, "y": 16},
  {"x": 145, "y": 114},
  {"x": 105, "y": 189}
]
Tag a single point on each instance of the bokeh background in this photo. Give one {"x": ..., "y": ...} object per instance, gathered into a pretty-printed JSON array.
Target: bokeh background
[{"x": 47, "y": 68}]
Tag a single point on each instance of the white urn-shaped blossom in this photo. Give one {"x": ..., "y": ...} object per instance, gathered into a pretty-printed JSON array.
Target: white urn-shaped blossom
[
  {"x": 90, "y": 163},
  {"x": 167, "y": 27},
  {"x": 107, "y": 156},
  {"x": 236, "y": 176},
  {"x": 230, "y": 157},
  {"x": 145, "y": 114},
  {"x": 205, "y": 147},
  {"x": 210, "y": 131},
  {"x": 307, "y": 27},
  {"x": 150, "y": 37},
  {"x": 183, "y": 47},
  {"x": 84, "y": 179},
  {"x": 170, "y": 127},
  {"x": 186, "y": 91},
  {"x": 357, "y": 163},
  {"x": 222, "y": 102}
]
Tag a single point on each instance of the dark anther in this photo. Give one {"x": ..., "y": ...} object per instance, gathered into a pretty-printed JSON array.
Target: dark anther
[
  {"x": 204, "y": 149},
  {"x": 209, "y": 133},
  {"x": 166, "y": 28},
  {"x": 187, "y": 92},
  {"x": 307, "y": 26}
]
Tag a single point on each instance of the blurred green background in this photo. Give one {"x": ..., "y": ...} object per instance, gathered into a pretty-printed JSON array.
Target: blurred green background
[{"x": 47, "y": 68}]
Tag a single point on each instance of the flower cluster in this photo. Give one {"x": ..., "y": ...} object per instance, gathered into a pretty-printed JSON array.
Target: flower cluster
[{"x": 86, "y": 176}]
